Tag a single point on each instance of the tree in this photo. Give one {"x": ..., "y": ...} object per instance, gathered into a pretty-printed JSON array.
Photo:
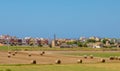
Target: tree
[
  {"x": 82, "y": 44},
  {"x": 91, "y": 41},
  {"x": 73, "y": 42},
  {"x": 104, "y": 41}
]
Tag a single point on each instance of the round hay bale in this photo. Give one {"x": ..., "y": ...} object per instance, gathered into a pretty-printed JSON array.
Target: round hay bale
[
  {"x": 58, "y": 61},
  {"x": 42, "y": 53},
  {"x": 9, "y": 55},
  {"x": 116, "y": 57},
  {"x": 33, "y": 62},
  {"x": 112, "y": 58},
  {"x": 13, "y": 54},
  {"x": 79, "y": 61},
  {"x": 102, "y": 60},
  {"x": 91, "y": 57},
  {"x": 29, "y": 55},
  {"x": 9, "y": 52},
  {"x": 85, "y": 56}
]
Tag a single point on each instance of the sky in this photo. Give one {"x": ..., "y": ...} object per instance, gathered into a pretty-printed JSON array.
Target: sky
[{"x": 65, "y": 18}]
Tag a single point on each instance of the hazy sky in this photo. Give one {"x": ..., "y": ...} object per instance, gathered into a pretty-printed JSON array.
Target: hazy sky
[{"x": 65, "y": 18}]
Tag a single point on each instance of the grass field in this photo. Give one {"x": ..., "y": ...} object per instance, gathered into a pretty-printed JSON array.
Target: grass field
[
  {"x": 70, "y": 67},
  {"x": 32, "y": 48}
]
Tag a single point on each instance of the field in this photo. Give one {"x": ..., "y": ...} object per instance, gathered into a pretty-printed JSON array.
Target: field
[
  {"x": 21, "y": 61},
  {"x": 103, "y": 54},
  {"x": 68, "y": 67},
  {"x": 32, "y": 48}
]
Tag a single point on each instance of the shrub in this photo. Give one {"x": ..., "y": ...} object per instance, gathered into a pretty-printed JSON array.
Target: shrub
[
  {"x": 25, "y": 49},
  {"x": 8, "y": 70}
]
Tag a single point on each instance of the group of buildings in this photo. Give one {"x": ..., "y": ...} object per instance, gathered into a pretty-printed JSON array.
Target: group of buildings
[
  {"x": 93, "y": 42},
  {"x": 27, "y": 41}
]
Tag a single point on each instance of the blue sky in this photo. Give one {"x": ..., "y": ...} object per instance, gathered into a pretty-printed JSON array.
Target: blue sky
[{"x": 65, "y": 18}]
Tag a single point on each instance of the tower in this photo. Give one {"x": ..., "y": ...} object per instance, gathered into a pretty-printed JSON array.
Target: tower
[{"x": 54, "y": 41}]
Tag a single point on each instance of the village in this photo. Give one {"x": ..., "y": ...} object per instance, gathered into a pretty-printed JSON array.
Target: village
[{"x": 91, "y": 42}]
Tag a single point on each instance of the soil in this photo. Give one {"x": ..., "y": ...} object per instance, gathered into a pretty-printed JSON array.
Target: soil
[{"x": 22, "y": 57}]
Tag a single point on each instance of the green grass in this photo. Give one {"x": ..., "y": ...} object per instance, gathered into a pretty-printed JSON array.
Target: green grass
[
  {"x": 96, "y": 54},
  {"x": 70, "y": 67},
  {"x": 6, "y": 48}
]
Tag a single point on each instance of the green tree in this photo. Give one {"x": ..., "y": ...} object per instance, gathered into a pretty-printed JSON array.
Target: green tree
[
  {"x": 104, "y": 41},
  {"x": 91, "y": 41}
]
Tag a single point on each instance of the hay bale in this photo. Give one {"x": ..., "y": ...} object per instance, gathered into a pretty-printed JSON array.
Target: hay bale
[
  {"x": 29, "y": 55},
  {"x": 33, "y": 62},
  {"x": 79, "y": 61},
  {"x": 58, "y": 61},
  {"x": 9, "y": 55},
  {"x": 91, "y": 56},
  {"x": 116, "y": 58},
  {"x": 42, "y": 53},
  {"x": 102, "y": 60},
  {"x": 13, "y": 54},
  {"x": 112, "y": 58},
  {"x": 9, "y": 52},
  {"x": 85, "y": 56}
]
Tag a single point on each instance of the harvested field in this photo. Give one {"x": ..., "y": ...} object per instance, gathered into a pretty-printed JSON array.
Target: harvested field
[{"x": 48, "y": 58}]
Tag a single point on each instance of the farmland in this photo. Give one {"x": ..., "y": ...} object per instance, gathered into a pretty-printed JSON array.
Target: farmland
[
  {"x": 105, "y": 54},
  {"x": 69, "y": 57}
]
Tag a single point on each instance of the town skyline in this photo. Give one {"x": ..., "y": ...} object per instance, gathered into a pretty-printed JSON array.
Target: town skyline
[{"x": 94, "y": 42}]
